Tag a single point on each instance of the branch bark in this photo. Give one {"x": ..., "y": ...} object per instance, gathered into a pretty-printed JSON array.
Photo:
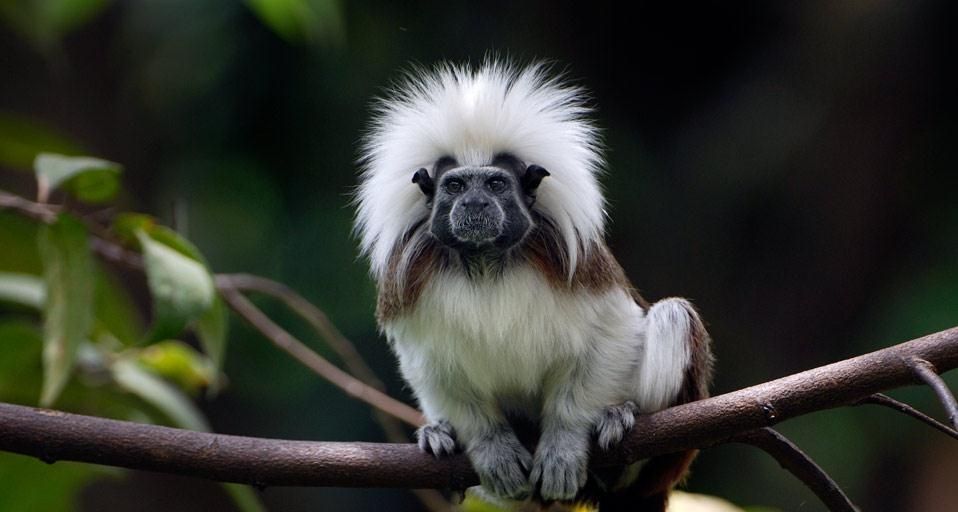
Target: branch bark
[
  {"x": 926, "y": 371},
  {"x": 286, "y": 341},
  {"x": 52, "y": 435},
  {"x": 797, "y": 463}
]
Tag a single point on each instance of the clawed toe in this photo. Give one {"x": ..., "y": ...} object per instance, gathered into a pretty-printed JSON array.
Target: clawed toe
[
  {"x": 437, "y": 438},
  {"x": 616, "y": 421}
]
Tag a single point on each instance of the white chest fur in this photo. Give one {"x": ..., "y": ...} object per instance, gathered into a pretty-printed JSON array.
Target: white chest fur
[{"x": 506, "y": 334}]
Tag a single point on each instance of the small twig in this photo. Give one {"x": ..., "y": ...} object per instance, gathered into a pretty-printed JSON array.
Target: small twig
[
  {"x": 431, "y": 499},
  {"x": 41, "y": 212},
  {"x": 792, "y": 459},
  {"x": 887, "y": 401},
  {"x": 116, "y": 253},
  {"x": 286, "y": 341},
  {"x": 925, "y": 371},
  {"x": 316, "y": 318}
]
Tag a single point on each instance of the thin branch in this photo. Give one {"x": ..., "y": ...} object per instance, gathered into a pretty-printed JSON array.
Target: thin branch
[
  {"x": 792, "y": 459},
  {"x": 51, "y": 435},
  {"x": 346, "y": 350},
  {"x": 891, "y": 403},
  {"x": 286, "y": 341},
  {"x": 116, "y": 253},
  {"x": 229, "y": 286},
  {"x": 925, "y": 371},
  {"x": 312, "y": 314},
  {"x": 323, "y": 326},
  {"x": 36, "y": 211}
]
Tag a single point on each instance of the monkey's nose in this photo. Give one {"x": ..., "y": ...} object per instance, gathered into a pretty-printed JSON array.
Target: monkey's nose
[{"x": 475, "y": 203}]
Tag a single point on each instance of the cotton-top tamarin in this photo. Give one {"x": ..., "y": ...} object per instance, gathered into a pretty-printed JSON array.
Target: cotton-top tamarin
[{"x": 480, "y": 211}]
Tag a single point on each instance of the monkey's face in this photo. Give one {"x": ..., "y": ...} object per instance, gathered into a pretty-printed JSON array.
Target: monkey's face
[{"x": 481, "y": 209}]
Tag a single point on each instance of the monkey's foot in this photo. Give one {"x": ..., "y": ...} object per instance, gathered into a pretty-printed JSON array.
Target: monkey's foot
[
  {"x": 502, "y": 464},
  {"x": 559, "y": 472},
  {"x": 437, "y": 438},
  {"x": 615, "y": 423}
]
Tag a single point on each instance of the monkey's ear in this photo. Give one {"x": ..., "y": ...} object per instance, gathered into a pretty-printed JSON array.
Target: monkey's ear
[
  {"x": 426, "y": 184},
  {"x": 532, "y": 178}
]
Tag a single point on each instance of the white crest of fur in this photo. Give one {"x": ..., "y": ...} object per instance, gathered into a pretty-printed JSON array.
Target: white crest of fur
[{"x": 471, "y": 115}]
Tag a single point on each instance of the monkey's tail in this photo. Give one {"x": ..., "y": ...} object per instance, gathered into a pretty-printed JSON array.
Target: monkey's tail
[{"x": 649, "y": 490}]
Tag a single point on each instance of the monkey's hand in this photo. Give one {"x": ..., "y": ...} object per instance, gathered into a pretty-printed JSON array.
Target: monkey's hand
[
  {"x": 502, "y": 464},
  {"x": 559, "y": 469},
  {"x": 437, "y": 438},
  {"x": 615, "y": 423}
]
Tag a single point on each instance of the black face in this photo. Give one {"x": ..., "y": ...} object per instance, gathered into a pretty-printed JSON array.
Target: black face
[{"x": 481, "y": 209}]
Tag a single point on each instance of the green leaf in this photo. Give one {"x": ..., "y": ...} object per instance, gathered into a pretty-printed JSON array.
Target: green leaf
[
  {"x": 24, "y": 289},
  {"x": 89, "y": 179},
  {"x": 20, "y": 366},
  {"x": 68, "y": 272},
  {"x": 181, "y": 287},
  {"x": 128, "y": 225},
  {"x": 29, "y": 484},
  {"x": 178, "y": 362},
  {"x": 211, "y": 329},
  {"x": 22, "y": 138},
  {"x": 116, "y": 311},
  {"x": 244, "y": 497},
  {"x": 46, "y": 22},
  {"x": 301, "y": 20},
  {"x": 130, "y": 376}
]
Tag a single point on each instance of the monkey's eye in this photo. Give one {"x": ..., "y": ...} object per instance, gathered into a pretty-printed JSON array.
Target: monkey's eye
[
  {"x": 496, "y": 184},
  {"x": 455, "y": 186}
]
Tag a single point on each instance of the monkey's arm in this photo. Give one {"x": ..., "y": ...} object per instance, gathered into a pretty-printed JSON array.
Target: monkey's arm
[{"x": 496, "y": 454}]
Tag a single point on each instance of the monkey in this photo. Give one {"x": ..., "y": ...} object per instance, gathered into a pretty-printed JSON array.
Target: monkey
[{"x": 480, "y": 211}]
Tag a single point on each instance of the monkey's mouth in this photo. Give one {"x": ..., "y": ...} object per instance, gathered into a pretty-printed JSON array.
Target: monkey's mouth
[{"x": 476, "y": 229}]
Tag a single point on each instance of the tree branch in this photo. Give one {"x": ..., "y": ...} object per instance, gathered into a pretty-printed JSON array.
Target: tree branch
[
  {"x": 386, "y": 410},
  {"x": 707, "y": 422},
  {"x": 741, "y": 416},
  {"x": 312, "y": 314},
  {"x": 286, "y": 341},
  {"x": 355, "y": 363},
  {"x": 797, "y": 463},
  {"x": 51, "y": 435},
  {"x": 891, "y": 403},
  {"x": 925, "y": 370}
]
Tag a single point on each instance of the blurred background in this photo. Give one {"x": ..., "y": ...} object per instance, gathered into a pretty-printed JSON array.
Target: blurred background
[{"x": 789, "y": 166}]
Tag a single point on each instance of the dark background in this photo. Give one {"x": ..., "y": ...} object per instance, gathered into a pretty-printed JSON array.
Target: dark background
[{"x": 789, "y": 166}]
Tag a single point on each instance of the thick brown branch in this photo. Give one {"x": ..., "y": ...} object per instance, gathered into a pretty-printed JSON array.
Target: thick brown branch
[
  {"x": 797, "y": 463},
  {"x": 709, "y": 421},
  {"x": 925, "y": 370},
  {"x": 53, "y": 435},
  {"x": 115, "y": 253},
  {"x": 58, "y": 436},
  {"x": 891, "y": 403}
]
